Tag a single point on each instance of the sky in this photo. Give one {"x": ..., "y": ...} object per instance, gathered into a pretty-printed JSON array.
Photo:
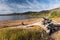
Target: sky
[{"x": 19, "y": 6}]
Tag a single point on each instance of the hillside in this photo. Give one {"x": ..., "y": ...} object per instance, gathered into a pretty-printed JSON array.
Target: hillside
[{"x": 50, "y": 13}]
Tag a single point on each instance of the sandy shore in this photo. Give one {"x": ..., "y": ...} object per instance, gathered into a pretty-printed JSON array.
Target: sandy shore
[
  {"x": 15, "y": 23},
  {"x": 19, "y": 22}
]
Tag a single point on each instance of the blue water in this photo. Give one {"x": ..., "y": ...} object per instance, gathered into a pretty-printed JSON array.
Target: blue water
[{"x": 5, "y": 18}]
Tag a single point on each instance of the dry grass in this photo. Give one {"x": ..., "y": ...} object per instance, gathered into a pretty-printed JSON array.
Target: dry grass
[
  {"x": 57, "y": 19},
  {"x": 36, "y": 33}
]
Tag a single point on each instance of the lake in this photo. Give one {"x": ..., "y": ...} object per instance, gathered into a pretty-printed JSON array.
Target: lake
[{"x": 5, "y": 18}]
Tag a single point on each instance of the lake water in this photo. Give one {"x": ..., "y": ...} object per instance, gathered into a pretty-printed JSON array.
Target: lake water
[{"x": 5, "y": 18}]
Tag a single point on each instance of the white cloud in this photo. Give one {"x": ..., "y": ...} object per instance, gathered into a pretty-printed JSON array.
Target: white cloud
[
  {"x": 5, "y": 9},
  {"x": 35, "y": 6}
]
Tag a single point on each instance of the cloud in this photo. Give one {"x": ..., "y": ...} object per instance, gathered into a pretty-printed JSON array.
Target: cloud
[
  {"x": 4, "y": 8},
  {"x": 7, "y": 6},
  {"x": 50, "y": 5}
]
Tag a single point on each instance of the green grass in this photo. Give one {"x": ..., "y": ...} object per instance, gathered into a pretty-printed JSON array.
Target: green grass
[
  {"x": 38, "y": 14},
  {"x": 54, "y": 13},
  {"x": 22, "y": 34}
]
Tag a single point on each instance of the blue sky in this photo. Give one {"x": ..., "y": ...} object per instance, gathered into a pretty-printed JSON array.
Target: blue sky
[{"x": 19, "y": 6}]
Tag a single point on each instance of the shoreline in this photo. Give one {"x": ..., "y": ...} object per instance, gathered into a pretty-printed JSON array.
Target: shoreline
[
  {"x": 18, "y": 22},
  {"x": 14, "y": 23}
]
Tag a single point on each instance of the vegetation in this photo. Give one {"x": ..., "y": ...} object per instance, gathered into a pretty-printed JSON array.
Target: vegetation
[
  {"x": 52, "y": 13},
  {"x": 39, "y": 14},
  {"x": 22, "y": 34}
]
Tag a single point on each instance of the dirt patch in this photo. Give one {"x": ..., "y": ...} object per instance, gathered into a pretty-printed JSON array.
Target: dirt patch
[{"x": 56, "y": 35}]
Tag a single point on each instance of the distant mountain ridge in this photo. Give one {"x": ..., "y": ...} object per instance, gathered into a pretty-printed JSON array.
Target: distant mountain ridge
[
  {"x": 25, "y": 13},
  {"x": 31, "y": 12}
]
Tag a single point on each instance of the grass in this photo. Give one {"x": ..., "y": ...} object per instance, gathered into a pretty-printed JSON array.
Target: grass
[
  {"x": 38, "y": 15},
  {"x": 22, "y": 34},
  {"x": 57, "y": 19},
  {"x": 54, "y": 13}
]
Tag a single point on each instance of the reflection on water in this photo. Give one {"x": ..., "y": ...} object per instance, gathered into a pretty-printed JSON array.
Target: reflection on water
[{"x": 5, "y": 18}]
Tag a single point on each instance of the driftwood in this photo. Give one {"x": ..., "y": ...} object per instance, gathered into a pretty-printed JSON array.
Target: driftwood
[{"x": 51, "y": 26}]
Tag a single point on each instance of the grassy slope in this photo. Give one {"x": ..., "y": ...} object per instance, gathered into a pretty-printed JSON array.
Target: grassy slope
[
  {"x": 56, "y": 19},
  {"x": 53, "y": 12}
]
